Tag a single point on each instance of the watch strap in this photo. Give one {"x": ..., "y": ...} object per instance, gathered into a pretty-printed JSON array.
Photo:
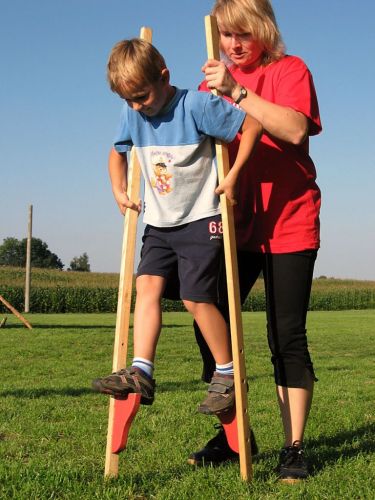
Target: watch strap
[{"x": 243, "y": 94}]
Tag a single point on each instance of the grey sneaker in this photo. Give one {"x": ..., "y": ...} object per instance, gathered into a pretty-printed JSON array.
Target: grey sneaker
[
  {"x": 125, "y": 381},
  {"x": 220, "y": 398},
  {"x": 292, "y": 464}
]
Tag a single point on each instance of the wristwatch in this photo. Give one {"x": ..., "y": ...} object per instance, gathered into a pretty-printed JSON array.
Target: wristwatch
[{"x": 243, "y": 94}]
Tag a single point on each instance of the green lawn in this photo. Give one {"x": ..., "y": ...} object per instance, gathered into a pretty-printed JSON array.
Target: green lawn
[{"x": 53, "y": 428}]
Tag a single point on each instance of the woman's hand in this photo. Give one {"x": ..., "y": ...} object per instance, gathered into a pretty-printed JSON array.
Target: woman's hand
[{"x": 218, "y": 77}]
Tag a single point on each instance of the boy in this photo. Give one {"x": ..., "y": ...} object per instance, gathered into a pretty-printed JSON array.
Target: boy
[{"x": 172, "y": 132}]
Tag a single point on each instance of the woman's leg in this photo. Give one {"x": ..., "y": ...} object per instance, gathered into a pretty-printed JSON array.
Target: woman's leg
[
  {"x": 294, "y": 404},
  {"x": 288, "y": 279}
]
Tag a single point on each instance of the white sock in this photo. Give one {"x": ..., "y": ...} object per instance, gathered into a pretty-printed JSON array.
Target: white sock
[
  {"x": 225, "y": 369},
  {"x": 145, "y": 365}
]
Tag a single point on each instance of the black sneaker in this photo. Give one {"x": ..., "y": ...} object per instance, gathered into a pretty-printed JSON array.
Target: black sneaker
[
  {"x": 292, "y": 464},
  {"x": 125, "y": 381},
  {"x": 217, "y": 450}
]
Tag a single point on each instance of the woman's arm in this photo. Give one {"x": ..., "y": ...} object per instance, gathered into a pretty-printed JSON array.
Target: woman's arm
[{"x": 281, "y": 122}]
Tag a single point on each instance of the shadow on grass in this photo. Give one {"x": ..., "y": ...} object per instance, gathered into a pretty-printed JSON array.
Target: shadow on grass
[
  {"x": 46, "y": 392},
  {"x": 326, "y": 451},
  {"x": 33, "y": 393},
  {"x": 184, "y": 386},
  {"x": 194, "y": 385},
  {"x": 56, "y": 326},
  {"x": 75, "y": 326},
  {"x": 342, "y": 446}
]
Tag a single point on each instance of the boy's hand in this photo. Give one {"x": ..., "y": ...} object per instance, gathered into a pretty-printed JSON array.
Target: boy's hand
[
  {"x": 229, "y": 189},
  {"x": 123, "y": 203}
]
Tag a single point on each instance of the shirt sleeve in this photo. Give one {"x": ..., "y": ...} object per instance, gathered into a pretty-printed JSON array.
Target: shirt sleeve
[
  {"x": 218, "y": 118},
  {"x": 122, "y": 141},
  {"x": 295, "y": 88}
]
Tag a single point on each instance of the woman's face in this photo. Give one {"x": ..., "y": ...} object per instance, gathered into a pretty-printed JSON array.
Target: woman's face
[{"x": 241, "y": 49}]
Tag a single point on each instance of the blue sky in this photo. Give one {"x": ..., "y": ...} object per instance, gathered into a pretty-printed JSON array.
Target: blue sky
[{"x": 58, "y": 116}]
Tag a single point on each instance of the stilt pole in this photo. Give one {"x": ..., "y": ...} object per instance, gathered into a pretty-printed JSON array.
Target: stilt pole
[
  {"x": 123, "y": 305},
  {"x": 240, "y": 382}
]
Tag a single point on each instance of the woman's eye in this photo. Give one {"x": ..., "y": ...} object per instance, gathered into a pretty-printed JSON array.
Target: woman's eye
[{"x": 244, "y": 36}]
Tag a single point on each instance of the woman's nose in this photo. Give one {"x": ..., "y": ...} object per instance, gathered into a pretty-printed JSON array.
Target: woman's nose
[{"x": 235, "y": 41}]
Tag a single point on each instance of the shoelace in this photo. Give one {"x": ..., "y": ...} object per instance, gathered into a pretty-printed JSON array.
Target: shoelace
[{"x": 292, "y": 454}]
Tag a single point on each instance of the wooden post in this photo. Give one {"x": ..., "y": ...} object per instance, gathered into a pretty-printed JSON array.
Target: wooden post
[
  {"x": 212, "y": 40},
  {"x": 125, "y": 291},
  {"x": 28, "y": 260}
]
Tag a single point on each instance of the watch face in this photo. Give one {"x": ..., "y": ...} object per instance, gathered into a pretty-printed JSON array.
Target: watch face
[{"x": 243, "y": 94}]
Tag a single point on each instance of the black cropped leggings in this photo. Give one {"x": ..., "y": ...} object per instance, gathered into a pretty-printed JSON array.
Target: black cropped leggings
[{"x": 288, "y": 279}]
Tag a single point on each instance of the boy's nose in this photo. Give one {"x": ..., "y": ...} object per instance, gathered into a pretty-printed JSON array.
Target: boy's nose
[{"x": 137, "y": 106}]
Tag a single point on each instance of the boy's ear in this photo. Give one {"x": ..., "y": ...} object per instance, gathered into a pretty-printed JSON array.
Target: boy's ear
[{"x": 165, "y": 75}]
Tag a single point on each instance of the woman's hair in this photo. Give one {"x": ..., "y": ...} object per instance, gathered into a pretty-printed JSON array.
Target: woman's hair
[
  {"x": 133, "y": 64},
  {"x": 255, "y": 17}
]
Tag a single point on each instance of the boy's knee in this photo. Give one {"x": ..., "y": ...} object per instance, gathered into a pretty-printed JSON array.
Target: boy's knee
[
  {"x": 191, "y": 306},
  {"x": 150, "y": 286},
  {"x": 195, "y": 307}
]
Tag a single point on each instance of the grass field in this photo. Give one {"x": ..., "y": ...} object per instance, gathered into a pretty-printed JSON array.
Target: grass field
[{"x": 53, "y": 428}]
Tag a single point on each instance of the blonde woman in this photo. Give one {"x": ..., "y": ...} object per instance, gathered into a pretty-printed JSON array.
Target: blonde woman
[{"x": 277, "y": 215}]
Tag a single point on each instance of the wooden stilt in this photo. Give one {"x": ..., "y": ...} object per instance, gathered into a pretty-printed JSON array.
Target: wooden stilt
[
  {"x": 242, "y": 417},
  {"x": 15, "y": 312},
  {"x": 115, "y": 429}
]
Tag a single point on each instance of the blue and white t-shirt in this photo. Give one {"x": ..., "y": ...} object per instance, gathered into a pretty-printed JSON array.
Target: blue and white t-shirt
[{"x": 177, "y": 154}]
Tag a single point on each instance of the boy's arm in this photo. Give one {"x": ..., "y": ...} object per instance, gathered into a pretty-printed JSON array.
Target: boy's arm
[
  {"x": 251, "y": 133},
  {"x": 118, "y": 173}
]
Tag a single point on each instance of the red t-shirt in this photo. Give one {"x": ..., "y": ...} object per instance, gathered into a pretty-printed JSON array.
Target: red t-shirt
[{"x": 279, "y": 200}]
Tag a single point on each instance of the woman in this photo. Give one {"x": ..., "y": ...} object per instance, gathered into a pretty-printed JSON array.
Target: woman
[{"x": 277, "y": 215}]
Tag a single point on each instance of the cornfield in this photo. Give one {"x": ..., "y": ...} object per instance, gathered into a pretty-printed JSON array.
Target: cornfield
[{"x": 61, "y": 292}]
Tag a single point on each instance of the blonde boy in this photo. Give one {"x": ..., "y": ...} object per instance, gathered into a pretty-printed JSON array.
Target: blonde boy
[{"x": 171, "y": 130}]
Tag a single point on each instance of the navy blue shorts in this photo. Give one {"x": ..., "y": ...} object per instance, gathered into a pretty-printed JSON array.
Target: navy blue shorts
[{"x": 194, "y": 250}]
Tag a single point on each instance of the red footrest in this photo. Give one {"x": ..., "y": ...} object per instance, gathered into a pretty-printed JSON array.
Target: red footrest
[
  {"x": 124, "y": 413},
  {"x": 229, "y": 423}
]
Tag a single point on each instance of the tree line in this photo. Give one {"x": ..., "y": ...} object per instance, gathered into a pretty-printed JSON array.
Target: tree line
[{"x": 13, "y": 253}]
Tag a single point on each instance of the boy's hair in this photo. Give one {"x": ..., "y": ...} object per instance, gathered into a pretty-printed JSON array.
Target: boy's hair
[
  {"x": 255, "y": 17},
  {"x": 133, "y": 64}
]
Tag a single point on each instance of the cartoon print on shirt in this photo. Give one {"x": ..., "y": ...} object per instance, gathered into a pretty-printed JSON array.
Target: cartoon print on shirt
[{"x": 162, "y": 180}]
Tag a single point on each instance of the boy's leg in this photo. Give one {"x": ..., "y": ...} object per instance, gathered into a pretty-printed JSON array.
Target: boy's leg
[
  {"x": 249, "y": 268},
  {"x": 147, "y": 315},
  {"x": 157, "y": 259},
  {"x": 217, "y": 449},
  {"x": 220, "y": 397},
  {"x": 214, "y": 329},
  {"x": 147, "y": 324}
]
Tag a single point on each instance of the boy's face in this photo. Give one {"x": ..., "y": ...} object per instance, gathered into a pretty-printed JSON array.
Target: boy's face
[{"x": 151, "y": 99}]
